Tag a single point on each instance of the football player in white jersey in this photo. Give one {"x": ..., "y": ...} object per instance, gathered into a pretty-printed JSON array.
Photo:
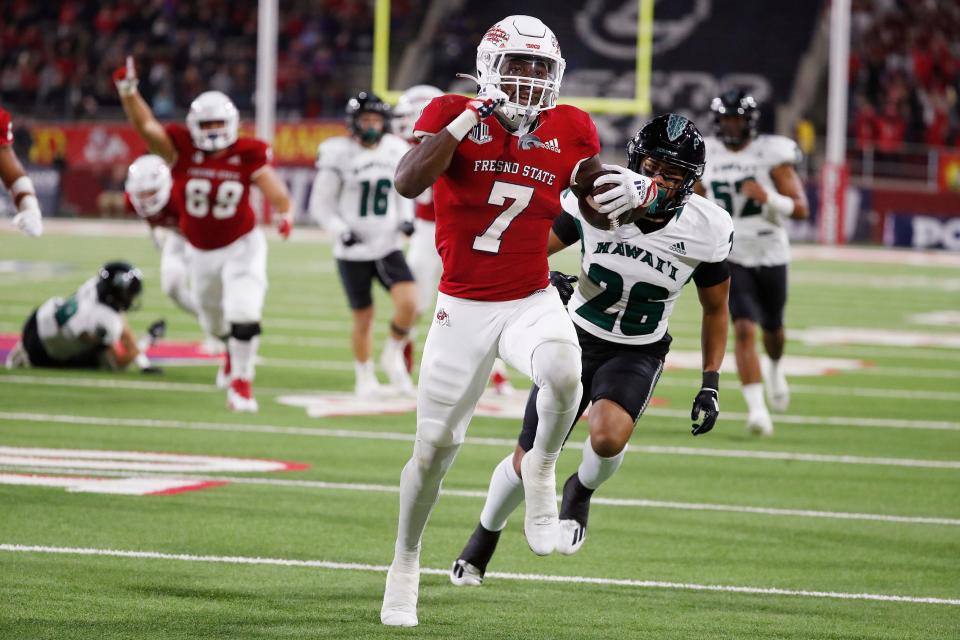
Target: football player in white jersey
[
  {"x": 754, "y": 178},
  {"x": 630, "y": 279},
  {"x": 354, "y": 199},
  {"x": 84, "y": 330}
]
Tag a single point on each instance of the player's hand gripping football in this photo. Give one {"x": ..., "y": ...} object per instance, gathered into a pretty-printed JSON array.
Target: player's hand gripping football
[
  {"x": 631, "y": 191},
  {"x": 125, "y": 78},
  {"x": 349, "y": 238},
  {"x": 564, "y": 285},
  {"x": 707, "y": 402},
  {"x": 487, "y": 102}
]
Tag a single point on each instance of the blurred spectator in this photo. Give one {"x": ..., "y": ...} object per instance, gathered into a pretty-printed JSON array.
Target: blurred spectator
[
  {"x": 905, "y": 66},
  {"x": 56, "y": 58}
]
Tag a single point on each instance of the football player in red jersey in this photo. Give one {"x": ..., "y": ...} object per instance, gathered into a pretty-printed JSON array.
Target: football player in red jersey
[
  {"x": 498, "y": 164},
  {"x": 14, "y": 178},
  {"x": 213, "y": 171}
]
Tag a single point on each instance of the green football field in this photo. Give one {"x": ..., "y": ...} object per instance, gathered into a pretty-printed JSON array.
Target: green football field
[{"x": 844, "y": 524}]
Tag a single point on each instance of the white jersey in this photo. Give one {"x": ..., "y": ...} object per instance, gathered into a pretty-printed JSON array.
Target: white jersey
[
  {"x": 354, "y": 192},
  {"x": 630, "y": 280},
  {"x": 71, "y": 327},
  {"x": 761, "y": 237}
]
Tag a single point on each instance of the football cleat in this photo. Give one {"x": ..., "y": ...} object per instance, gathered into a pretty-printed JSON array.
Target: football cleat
[
  {"x": 572, "y": 536},
  {"x": 240, "y": 397},
  {"x": 223, "y": 373},
  {"x": 541, "y": 524},
  {"x": 775, "y": 385},
  {"x": 400, "y": 598},
  {"x": 759, "y": 423},
  {"x": 464, "y": 574}
]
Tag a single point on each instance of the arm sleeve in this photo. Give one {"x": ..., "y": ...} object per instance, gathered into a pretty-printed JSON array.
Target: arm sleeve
[
  {"x": 709, "y": 274},
  {"x": 325, "y": 195},
  {"x": 565, "y": 227},
  {"x": 438, "y": 113}
]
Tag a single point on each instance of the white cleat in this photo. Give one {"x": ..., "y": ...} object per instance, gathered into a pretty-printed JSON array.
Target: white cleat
[
  {"x": 759, "y": 423},
  {"x": 393, "y": 365},
  {"x": 541, "y": 521},
  {"x": 17, "y": 358},
  {"x": 369, "y": 389},
  {"x": 240, "y": 397},
  {"x": 572, "y": 537},
  {"x": 775, "y": 385},
  {"x": 464, "y": 574},
  {"x": 400, "y": 599}
]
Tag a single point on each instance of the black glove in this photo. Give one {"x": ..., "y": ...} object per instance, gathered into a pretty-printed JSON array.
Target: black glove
[
  {"x": 564, "y": 285},
  {"x": 406, "y": 228},
  {"x": 708, "y": 401},
  {"x": 349, "y": 238},
  {"x": 157, "y": 330}
]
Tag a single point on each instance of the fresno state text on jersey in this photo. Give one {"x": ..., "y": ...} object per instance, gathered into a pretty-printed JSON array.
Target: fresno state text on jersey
[
  {"x": 497, "y": 200},
  {"x": 6, "y": 128},
  {"x": 214, "y": 189}
]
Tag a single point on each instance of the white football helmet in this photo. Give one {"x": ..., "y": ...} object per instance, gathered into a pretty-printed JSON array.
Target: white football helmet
[
  {"x": 410, "y": 106},
  {"x": 525, "y": 39},
  {"x": 148, "y": 184},
  {"x": 213, "y": 106}
]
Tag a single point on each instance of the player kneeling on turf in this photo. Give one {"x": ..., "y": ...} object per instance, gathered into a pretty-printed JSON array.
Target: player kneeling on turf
[
  {"x": 88, "y": 330},
  {"x": 632, "y": 273}
]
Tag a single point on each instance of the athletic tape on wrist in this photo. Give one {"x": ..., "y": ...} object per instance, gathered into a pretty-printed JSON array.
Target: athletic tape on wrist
[
  {"x": 780, "y": 204},
  {"x": 463, "y": 124},
  {"x": 22, "y": 186}
]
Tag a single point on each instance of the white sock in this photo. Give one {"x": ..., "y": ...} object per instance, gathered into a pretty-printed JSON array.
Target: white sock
[
  {"x": 594, "y": 470},
  {"x": 393, "y": 348},
  {"x": 774, "y": 368},
  {"x": 242, "y": 356},
  {"x": 420, "y": 483},
  {"x": 753, "y": 394},
  {"x": 363, "y": 370},
  {"x": 503, "y": 497}
]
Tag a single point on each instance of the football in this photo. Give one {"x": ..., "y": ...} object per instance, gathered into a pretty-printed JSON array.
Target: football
[{"x": 589, "y": 207}]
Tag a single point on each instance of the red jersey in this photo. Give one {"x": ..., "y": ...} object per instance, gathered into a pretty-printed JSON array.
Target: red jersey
[
  {"x": 168, "y": 217},
  {"x": 214, "y": 189},
  {"x": 496, "y": 202},
  {"x": 6, "y": 128},
  {"x": 423, "y": 206}
]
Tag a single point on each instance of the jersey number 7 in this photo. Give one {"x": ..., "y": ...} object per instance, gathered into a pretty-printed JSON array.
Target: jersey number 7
[{"x": 489, "y": 240}]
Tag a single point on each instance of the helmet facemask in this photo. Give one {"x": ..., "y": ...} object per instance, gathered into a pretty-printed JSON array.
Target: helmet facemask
[
  {"x": 531, "y": 82},
  {"x": 213, "y": 121},
  {"x": 728, "y": 110}
]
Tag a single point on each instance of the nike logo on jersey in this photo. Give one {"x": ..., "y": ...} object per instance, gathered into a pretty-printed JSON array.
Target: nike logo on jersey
[
  {"x": 629, "y": 251},
  {"x": 678, "y": 247}
]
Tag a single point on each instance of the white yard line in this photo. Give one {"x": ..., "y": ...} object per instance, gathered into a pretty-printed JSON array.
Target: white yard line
[
  {"x": 526, "y": 577},
  {"x": 196, "y": 387},
  {"x": 496, "y": 442},
  {"x": 481, "y": 494}
]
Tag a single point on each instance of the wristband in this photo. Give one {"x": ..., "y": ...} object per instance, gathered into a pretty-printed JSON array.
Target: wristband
[
  {"x": 711, "y": 380},
  {"x": 463, "y": 124},
  {"x": 781, "y": 205}
]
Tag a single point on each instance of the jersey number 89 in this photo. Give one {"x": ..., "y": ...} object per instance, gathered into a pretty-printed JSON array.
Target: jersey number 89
[{"x": 225, "y": 203}]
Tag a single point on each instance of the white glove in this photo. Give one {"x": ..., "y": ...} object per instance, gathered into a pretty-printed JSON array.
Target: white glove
[
  {"x": 632, "y": 191},
  {"x": 28, "y": 219}
]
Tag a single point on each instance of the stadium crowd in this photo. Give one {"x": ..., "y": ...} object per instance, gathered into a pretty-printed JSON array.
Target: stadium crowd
[
  {"x": 905, "y": 73},
  {"x": 56, "y": 57}
]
